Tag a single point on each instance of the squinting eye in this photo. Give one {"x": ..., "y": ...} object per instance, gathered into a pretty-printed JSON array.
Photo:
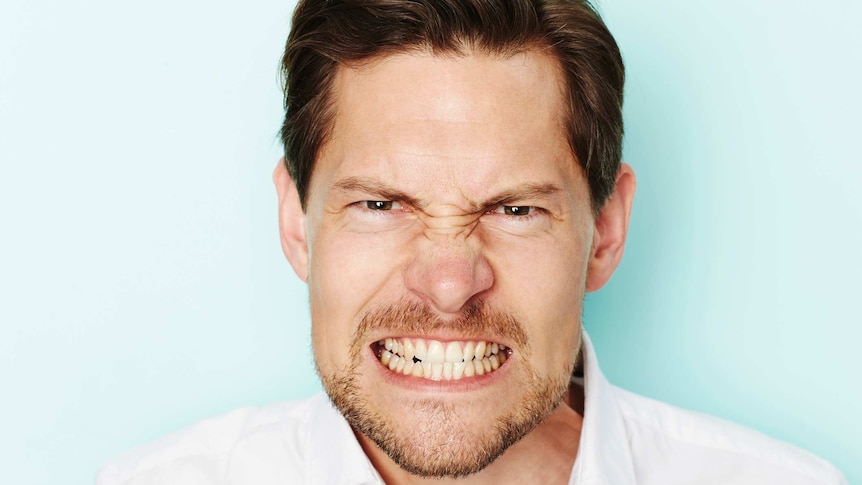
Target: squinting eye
[
  {"x": 382, "y": 205},
  {"x": 516, "y": 210}
]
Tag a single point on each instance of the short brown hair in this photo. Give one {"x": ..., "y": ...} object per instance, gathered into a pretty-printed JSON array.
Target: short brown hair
[{"x": 329, "y": 33}]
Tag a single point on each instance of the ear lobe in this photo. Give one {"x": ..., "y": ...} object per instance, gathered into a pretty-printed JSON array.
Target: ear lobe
[
  {"x": 291, "y": 221},
  {"x": 611, "y": 228}
]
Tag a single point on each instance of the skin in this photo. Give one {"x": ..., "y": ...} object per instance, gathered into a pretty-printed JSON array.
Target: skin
[{"x": 452, "y": 141}]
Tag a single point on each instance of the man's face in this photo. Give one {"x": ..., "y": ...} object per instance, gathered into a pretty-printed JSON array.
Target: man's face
[{"x": 446, "y": 212}]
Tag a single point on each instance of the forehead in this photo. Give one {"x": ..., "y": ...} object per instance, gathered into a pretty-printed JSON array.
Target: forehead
[{"x": 462, "y": 121}]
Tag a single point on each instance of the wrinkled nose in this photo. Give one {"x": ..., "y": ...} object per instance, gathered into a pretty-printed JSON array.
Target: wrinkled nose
[{"x": 448, "y": 273}]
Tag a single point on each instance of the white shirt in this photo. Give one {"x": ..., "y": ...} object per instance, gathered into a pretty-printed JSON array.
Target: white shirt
[{"x": 626, "y": 439}]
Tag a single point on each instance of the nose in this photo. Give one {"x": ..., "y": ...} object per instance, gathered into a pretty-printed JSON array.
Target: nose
[{"x": 448, "y": 272}]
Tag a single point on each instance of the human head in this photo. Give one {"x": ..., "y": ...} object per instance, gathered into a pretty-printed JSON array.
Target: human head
[
  {"x": 328, "y": 33},
  {"x": 406, "y": 230}
]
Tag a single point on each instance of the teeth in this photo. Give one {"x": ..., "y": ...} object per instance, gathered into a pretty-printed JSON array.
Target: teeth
[
  {"x": 436, "y": 360},
  {"x": 469, "y": 369},
  {"x": 436, "y": 372},
  {"x": 469, "y": 351},
  {"x": 480, "y": 350},
  {"x": 421, "y": 350},
  {"x": 457, "y": 370},
  {"x": 480, "y": 369},
  {"x": 454, "y": 352},
  {"x": 436, "y": 355},
  {"x": 409, "y": 350}
]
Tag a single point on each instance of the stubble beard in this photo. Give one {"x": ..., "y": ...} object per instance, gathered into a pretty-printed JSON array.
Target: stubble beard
[{"x": 436, "y": 443}]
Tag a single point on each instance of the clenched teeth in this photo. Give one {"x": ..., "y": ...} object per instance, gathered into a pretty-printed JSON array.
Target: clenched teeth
[{"x": 435, "y": 360}]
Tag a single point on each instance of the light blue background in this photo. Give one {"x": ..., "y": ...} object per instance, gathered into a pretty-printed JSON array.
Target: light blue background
[{"x": 143, "y": 287}]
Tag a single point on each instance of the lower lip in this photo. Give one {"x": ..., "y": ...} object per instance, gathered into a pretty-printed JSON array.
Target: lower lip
[{"x": 421, "y": 384}]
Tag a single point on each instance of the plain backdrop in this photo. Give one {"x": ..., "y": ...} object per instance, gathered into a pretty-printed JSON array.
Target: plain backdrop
[{"x": 142, "y": 286}]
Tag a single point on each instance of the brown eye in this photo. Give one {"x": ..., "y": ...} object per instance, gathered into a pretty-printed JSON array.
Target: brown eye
[
  {"x": 379, "y": 205},
  {"x": 517, "y": 210}
]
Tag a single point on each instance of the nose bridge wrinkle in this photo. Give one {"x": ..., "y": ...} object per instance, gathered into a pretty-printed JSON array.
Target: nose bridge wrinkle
[
  {"x": 449, "y": 227},
  {"x": 449, "y": 268}
]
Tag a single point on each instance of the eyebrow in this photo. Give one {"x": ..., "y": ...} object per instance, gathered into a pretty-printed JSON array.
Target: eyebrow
[
  {"x": 380, "y": 189},
  {"x": 373, "y": 187}
]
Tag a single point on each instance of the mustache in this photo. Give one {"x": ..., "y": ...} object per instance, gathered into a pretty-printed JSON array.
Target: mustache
[{"x": 478, "y": 320}]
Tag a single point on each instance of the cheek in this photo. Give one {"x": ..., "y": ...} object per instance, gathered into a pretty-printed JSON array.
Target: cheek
[
  {"x": 347, "y": 277},
  {"x": 544, "y": 288}
]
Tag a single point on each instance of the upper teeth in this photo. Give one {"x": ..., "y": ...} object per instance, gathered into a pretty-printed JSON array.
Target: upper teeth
[{"x": 437, "y": 360}]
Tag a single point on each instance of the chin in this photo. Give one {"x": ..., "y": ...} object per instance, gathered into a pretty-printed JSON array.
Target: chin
[{"x": 443, "y": 434}]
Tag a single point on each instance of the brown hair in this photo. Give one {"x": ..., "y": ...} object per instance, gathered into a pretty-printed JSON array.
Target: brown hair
[{"x": 329, "y": 33}]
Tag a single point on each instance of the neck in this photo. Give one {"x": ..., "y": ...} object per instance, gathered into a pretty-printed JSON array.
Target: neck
[{"x": 545, "y": 455}]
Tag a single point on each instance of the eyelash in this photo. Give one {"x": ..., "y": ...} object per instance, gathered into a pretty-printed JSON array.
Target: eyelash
[
  {"x": 376, "y": 205},
  {"x": 507, "y": 210}
]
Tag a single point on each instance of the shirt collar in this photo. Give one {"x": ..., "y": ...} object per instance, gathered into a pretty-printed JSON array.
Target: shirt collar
[{"x": 604, "y": 454}]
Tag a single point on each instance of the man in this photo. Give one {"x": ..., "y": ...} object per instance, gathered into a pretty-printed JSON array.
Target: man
[{"x": 452, "y": 189}]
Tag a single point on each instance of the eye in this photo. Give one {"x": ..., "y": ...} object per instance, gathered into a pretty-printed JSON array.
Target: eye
[
  {"x": 382, "y": 205},
  {"x": 518, "y": 219},
  {"x": 514, "y": 210}
]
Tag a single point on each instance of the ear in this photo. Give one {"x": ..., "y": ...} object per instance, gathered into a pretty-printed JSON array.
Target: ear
[
  {"x": 291, "y": 221},
  {"x": 611, "y": 227}
]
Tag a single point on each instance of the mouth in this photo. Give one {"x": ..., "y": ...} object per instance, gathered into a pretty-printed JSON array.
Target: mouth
[{"x": 440, "y": 361}]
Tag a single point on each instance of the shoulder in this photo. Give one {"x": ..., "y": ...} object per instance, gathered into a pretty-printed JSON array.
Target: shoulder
[
  {"x": 265, "y": 442},
  {"x": 673, "y": 445}
]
